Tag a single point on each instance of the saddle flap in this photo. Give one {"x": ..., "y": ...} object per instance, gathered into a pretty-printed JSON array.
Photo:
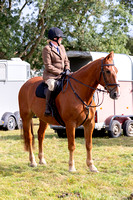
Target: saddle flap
[{"x": 41, "y": 90}]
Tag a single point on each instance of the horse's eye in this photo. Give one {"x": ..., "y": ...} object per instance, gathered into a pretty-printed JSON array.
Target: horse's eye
[{"x": 108, "y": 72}]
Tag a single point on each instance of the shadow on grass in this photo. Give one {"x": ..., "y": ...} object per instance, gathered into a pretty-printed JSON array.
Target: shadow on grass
[
  {"x": 20, "y": 137},
  {"x": 10, "y": 137},
  {"x": 99, "y": 138},
  {"x": 80, "y": 133},
  {"x": 10, "y": 170}
]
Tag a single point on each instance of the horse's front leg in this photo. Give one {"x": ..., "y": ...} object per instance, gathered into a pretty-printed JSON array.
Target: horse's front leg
[
  {"x": 70, "y": 130},
  {"x": 88, "y": 130},
  {"x": 41, "y": 135}
]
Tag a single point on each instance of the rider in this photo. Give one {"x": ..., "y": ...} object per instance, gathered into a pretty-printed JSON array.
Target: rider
[{"x": 55, "y": 61}]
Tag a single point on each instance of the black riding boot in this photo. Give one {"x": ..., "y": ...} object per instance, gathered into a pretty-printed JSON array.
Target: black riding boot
[{"x": 47, "y": 108}]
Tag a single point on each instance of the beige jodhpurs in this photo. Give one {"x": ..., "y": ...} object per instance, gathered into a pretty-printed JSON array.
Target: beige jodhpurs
[{"x": 51, "y": 84}]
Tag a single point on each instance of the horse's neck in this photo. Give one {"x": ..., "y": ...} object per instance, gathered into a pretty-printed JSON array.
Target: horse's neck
[{"x": 88, "y": 75}]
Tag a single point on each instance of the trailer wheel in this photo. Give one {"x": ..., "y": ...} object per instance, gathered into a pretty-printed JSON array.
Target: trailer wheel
[
  {"x": 128, "y": 128},
  {"x": 18, "y": 120},
  {"x": 115, "y": 130},
  {"x": 11, "y": 123}
]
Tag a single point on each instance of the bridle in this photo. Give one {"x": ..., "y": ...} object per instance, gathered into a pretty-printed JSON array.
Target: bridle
[
  {"x": 107, "y": 90},
  {"x": 104, "y": 78}
]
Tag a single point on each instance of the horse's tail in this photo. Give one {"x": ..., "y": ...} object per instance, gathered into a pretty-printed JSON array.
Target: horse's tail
[
  {"x": 32, "y": 132},
  {"x": 25, "y": 136}
]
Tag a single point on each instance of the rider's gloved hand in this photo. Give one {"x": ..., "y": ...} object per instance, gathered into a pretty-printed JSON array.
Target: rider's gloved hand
[
  {"x": 62, "y": 73},
  {"x": 67, "y": 71}
]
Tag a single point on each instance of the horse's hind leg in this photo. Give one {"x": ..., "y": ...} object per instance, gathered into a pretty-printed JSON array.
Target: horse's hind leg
[
  {"x": 28, "y": 138},
  {"x": 41, "y": 135}
]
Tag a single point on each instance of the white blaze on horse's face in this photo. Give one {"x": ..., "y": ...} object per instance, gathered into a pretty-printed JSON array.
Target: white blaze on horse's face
[
  {"x": 118, "y": 88},
  {"x": 114, "y": 90},
  {"x": 109, "y": 74}
]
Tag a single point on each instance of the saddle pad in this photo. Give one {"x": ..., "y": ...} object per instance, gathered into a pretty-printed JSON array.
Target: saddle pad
[
  {"x": 41, "y": 90},
  {"x": 41, "y": 93}
]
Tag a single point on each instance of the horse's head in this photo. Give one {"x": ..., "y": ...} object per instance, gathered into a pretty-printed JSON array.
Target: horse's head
[{"x": 108, "y": 76}]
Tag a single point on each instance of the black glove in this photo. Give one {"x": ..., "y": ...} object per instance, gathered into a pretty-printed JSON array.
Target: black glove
[
  {"x": 67, "y": 71},
  {"x": 63, "y": 73}
]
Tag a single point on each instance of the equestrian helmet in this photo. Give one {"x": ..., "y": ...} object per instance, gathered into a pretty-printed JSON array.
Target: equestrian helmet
[{"x": 55, "y": 33}]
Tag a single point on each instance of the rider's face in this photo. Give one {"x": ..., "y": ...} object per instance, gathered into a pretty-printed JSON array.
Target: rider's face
[{"x": 60, "y": 40}]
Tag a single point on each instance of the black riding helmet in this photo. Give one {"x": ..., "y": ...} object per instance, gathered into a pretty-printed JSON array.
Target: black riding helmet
[{"x": 55, "y": 33}]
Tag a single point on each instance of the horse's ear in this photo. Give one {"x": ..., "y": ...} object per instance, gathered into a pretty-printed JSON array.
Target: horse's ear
[{"x": 109, "y": 56}]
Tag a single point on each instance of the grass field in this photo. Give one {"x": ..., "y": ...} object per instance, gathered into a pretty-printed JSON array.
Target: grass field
[{"x": 112, "y": 157}]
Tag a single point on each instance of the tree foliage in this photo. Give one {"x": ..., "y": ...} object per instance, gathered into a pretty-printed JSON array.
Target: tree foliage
[
  {"x": 128, "y": 5},
  {"x": 89, "y": 25},
  {"x": 129, "y": 45}
]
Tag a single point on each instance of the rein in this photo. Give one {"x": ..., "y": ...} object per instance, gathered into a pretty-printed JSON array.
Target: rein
[
  {"x": 87, "y": 106},
  {"x": 96, "y": 89}
]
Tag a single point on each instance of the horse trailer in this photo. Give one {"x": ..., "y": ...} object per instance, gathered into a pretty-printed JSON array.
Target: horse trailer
[
  {"x": 112, "y": 115},
  {"x": 13, "y": 74}
]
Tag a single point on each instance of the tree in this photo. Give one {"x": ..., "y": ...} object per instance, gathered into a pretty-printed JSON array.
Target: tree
[
  {"x": 89, "y": 25},
  {"x": 19, "y": 36},
  {"x": 128, "y": 5},
  {"x": 129, "y": 45}
]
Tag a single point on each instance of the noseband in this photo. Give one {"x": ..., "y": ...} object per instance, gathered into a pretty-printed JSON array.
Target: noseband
[{"x": 105, "y": 80}]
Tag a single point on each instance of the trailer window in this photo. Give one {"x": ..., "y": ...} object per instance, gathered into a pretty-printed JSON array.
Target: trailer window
[{"x": 2, "y": 72}]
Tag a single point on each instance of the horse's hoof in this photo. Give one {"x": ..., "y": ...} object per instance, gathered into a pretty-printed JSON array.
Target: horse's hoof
[
  {"x": 93, "y": 168},
  {"x": 42, "y": 162},
  {"x": 72, "y": 169},
  {"x": 33, "y": 164}
]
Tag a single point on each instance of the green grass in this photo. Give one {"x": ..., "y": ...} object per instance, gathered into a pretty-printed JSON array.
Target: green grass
[{"x": 112, "y": 157}]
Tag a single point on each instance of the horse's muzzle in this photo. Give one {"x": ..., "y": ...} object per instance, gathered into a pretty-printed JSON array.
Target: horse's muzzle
[{"x": 114, "y": 94}]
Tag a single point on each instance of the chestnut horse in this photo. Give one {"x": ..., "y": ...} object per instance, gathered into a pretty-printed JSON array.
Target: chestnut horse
[{"x": 75, "y": 106}]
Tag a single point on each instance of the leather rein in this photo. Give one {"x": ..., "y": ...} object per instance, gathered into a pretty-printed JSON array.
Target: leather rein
[
  {"x": 96, "y": 89},
  {"x": 107, "y": 90}
]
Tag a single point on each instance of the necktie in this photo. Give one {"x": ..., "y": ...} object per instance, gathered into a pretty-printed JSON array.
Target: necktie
[{"x": 58, "y": 50}]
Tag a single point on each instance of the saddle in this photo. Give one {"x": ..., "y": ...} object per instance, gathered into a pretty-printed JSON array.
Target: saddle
[{"x": 41, "y": 93}]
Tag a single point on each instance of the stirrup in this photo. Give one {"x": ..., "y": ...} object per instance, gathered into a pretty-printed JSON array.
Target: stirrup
[{"x": 47, "y": 111}]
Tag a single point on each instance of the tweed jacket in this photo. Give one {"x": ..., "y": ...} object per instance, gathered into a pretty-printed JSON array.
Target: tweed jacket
[{"x": 54, "y": 62}]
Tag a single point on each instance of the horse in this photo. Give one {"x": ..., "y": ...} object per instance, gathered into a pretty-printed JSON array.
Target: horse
[{"x": 75, "y": 105}]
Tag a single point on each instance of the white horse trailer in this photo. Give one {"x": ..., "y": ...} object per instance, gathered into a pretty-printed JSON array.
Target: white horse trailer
[
  {"x": 13, "y": 74},
  {"x": 115, "y": 115},
  {"x": 111, "y": 115}
]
